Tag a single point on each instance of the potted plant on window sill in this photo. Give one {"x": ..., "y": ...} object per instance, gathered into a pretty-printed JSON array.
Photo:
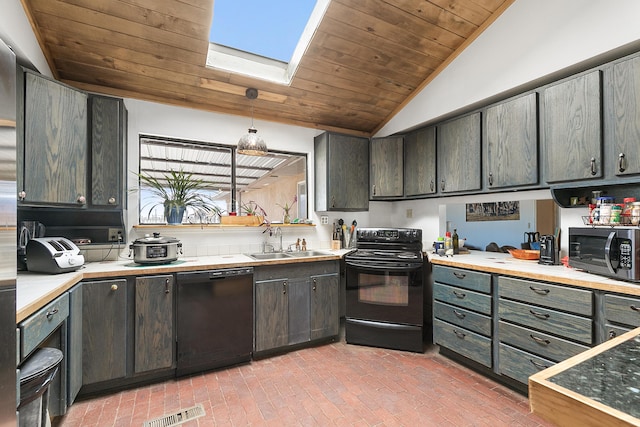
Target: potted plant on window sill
[
  {"x": 179, "y": 191},
  {"x": 254, "y": 215}
]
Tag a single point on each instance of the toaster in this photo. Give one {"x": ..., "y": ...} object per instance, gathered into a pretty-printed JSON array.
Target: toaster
[{"x": 53, "y": 255}]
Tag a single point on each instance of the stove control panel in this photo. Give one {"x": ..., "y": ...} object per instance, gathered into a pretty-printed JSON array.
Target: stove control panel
[{"x": 400, "y": 235}]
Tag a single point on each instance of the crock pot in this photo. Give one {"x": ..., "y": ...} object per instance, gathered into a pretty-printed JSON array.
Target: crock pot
[{"x": 155, "y": 249}]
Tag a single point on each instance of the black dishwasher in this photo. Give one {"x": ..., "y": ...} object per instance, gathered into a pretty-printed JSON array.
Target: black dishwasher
[{"x": 215, "y": 319}]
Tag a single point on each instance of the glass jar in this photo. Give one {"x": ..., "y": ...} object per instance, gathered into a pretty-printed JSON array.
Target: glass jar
[
  {"x": 625, "y": 217},
  {"x": 635, "y": 213},
  {"x": 616, "y": 211}
]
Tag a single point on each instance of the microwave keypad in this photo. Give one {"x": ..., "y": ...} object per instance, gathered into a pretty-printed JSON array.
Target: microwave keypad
[{"x": 625, "y": 254}]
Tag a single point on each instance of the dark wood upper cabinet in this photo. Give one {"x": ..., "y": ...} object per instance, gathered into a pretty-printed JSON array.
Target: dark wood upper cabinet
[
  {"x": 572, "y": 129},
  {"x": 420, "y": 162},
  {"x": 386, "y": 163},
  {"x": 511, "y": 143},
  {"x": 459, "y": 154}
]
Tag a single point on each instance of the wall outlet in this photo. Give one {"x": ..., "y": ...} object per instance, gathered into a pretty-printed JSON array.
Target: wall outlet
[
  {"x": 409, "y": 213},
  {"x": 324, "y": 219},
  {"x": 115, "y": 235}
]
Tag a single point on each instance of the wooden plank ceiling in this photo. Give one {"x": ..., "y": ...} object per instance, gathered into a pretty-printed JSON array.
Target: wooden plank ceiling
[{"x": 367, "y": 59}]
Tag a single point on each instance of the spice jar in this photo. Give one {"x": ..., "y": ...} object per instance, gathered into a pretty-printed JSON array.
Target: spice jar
[
  {"x": 625, "y": 218},
  {"x": 635, "y": 213},
  {"x": 616, "y": 211},
  {"x": 604, "y": 205}
]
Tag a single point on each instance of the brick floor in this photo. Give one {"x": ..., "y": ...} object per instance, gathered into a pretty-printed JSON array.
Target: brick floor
[{"x": 330, "y": 385}]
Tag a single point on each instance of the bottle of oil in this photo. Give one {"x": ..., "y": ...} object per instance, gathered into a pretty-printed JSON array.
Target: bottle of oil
[{"x": 454, "y": 242}]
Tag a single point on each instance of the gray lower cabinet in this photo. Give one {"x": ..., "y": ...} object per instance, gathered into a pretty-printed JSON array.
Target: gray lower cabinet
[
  {"x": 511, "y": 145},
  {"x": 387, "y": 155},
  {"x": 621, "y": 314},
  {"x": 462, "y": 313},
  {"x": 341, "y": 172},
  {"x": 572, "y": 129},
  {"x": 295, "y": 304},
  {"x": 459, "y": 154},
  {"x": 154, "y": 324},
  {"x": 74, "y": 353},
  {"x": 540, "y": 324},
  {"x": 420, "y": 162},
  {"x": 104, "y": 330}
]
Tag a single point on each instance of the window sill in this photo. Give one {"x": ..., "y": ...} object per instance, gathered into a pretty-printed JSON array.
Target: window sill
[{"x": 215, "y": 226}]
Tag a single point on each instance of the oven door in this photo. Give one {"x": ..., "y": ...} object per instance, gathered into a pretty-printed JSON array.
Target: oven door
[{"x": 388, "y": 291}]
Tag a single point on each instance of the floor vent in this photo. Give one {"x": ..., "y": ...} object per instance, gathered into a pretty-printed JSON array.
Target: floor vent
[{"x": 178, "y": 418}]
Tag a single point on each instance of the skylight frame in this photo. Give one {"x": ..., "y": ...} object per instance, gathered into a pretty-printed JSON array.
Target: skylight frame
[{"x": 249, "y": 64}]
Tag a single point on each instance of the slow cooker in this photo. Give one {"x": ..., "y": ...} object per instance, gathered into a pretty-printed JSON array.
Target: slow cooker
[{"x": 155, "y": 249}]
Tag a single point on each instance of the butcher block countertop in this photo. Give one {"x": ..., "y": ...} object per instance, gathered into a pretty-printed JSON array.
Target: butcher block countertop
[
  {"x": 35, "y": 290},
  {"x": 599, "y": 387},
  {"x": 501, "y": 263}
]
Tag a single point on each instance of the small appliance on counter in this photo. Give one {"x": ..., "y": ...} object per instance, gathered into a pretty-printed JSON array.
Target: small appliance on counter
[
  {"x": 53, "y": 255},
  {"x": 28, "y": 230},
  {"x": 549, "y": 250},
  {"x": 155, "y": 249}
]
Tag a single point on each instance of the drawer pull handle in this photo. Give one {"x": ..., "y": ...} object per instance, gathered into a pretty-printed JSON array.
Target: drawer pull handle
[
  {"x": 538, "y": 365},
  {"x": 460, "y": 275},
  {"x": 539, "y": 340},
  {"x": 284, "y": 287},
  {"x": 634, "y": 308},
  {"x": 543, "y": 316},
  {"x": 539, "y": 290},
  {"x": 166, "y": 285},
  {"x": 52, "y": 313},
  {"x": 459, "y": 294},
  {"x": 459, "y": 315},
  {"x": 459, "y": 334}
]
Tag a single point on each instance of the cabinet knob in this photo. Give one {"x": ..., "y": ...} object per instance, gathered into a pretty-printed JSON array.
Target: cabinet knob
[
  {"x": 82, "y": 200},
  {"x": 114, "y": 287},
  {"x": 112, "y": 200},
  {"x": 284, "y": 287},
  {"x": 593, "y": 166},
  {"x": 22, "y": 195},
  {"x": 315, "y": 282},
  {"x": 621, "y": 163}
]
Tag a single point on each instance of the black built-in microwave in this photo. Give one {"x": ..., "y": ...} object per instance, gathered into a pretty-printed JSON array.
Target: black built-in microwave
[{"x": 608, "y": 251}]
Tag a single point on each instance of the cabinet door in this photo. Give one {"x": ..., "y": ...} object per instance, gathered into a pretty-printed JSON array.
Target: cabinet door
[
  {"x": 154, "y": 323},
  {"x": 104, "y": 330},
  {"x": 299, "y": 327},
  {"x": 272, "y": 326},
  {"x": 420, "y": 162},
  {"x": 622, "y": 118},
  {"x": 341, "y": 172},
  {"x": 107, "y": 151},
  {"x": 325, "y": 318},
  {"x": 74, "y": 353},
  {"x": 459, "y": 155},
  {"x": 572, "y": 129},
  {"x": 55, "y": 152},
  {"x": 385, "y": 167},
  {"x": 512, "y": 143}
]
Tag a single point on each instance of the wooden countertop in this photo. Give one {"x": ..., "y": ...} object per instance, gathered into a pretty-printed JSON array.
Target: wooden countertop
[
  {"x": 501, "y": 263},
  {"x": 564, "y": 406},
  {"x": 35, "y": 290}
]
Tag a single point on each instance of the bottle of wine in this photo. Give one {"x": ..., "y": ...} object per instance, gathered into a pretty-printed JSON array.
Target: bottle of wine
[{"x": 454, "y": 241}]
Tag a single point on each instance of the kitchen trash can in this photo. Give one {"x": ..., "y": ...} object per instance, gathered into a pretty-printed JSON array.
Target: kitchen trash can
[{"x": 35, "y": 376}]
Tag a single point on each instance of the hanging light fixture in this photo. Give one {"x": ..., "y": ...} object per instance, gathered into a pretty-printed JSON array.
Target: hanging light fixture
[{"x": 251, "y": 144}]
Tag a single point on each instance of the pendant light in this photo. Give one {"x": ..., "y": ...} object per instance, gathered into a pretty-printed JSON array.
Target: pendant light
[{"x": 251, "y": 144}]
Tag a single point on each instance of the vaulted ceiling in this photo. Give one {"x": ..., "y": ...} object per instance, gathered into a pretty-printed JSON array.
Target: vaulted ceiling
[{"x": 367, "y": 59}]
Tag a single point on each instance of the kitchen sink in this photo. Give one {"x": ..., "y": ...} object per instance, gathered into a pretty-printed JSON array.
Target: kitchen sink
[
  {"x": 270, "y": 255},
  {"x": 308, "y": 253}
]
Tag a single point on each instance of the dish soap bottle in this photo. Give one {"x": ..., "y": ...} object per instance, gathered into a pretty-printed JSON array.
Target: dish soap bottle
[{"x": 454, "y": 242}]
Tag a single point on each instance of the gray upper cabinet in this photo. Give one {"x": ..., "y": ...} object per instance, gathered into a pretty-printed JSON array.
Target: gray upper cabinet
[
  {"x": 52, "y": 166},
  {"x": 622, "y": 117},
  {"x": 572, "y": 135},
  {"x": 386, "y": 163},
  {"x": 459, "y": 154},
  {"x": 341, "y": 172},
  {"x": 511, "y": 143},
  {"x": 108, "y": 145},
  {"x": 420, "y": 162}
]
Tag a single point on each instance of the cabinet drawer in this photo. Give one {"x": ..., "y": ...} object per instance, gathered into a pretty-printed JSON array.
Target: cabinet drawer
[
  {"x": 461, "y": 317},
  {"x": 462, "y": 341},
  {"x": 467, "y": 279},
  {"x": 619, "y": 309},
  {"x": 519, "y": 364},
  {"x": 462, "y": 298},
  {"x": 561, "y": 324},
  {"x": 545, "y": 345},
  {"x": 574, "y": 300},
  {"x": 612, "y": 331},
  {"x": 41, "y": 324}
]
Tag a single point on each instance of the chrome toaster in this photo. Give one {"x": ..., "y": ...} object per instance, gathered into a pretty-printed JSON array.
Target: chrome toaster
[{"x": 53, "y": 255}]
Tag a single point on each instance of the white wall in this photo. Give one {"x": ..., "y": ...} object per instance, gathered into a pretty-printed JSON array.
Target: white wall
[{"x": 532, "y": 39}]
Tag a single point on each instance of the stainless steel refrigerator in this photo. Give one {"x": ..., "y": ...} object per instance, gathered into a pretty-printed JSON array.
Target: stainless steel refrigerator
[{"x": 8, "y": 236}]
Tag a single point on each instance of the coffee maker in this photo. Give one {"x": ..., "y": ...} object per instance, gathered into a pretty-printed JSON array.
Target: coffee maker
[
  {"x": 26, "y": 231},
  {"x": 549, "y": 250}
]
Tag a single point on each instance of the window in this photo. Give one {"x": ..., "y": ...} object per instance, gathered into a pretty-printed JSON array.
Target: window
[{"x": 232, "y": 180}]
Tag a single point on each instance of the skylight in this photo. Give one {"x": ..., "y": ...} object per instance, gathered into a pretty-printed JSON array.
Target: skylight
[{"x": 262, "y": 39}]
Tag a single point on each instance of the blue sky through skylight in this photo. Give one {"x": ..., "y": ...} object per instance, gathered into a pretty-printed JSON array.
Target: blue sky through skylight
[{"x": 270, "y": 28}]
